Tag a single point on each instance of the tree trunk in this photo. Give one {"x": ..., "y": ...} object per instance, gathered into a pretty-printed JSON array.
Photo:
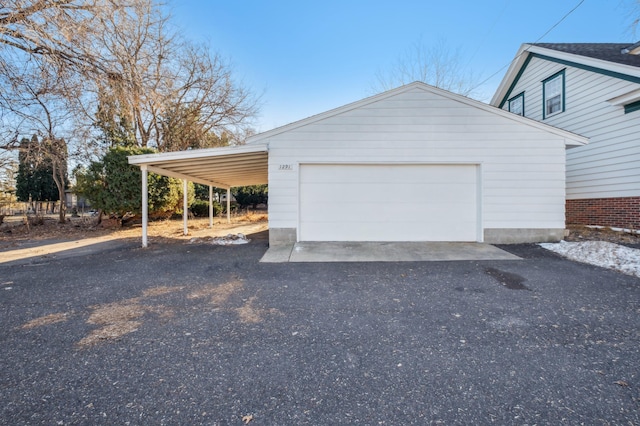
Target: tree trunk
[{"x": 59, "y": 180}]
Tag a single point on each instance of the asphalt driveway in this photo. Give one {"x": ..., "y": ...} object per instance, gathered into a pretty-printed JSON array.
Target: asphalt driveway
[{"x": 202, "y": 334}]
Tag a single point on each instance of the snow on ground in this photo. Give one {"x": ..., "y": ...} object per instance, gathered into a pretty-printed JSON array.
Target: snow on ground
[
  {"x": 230, "y": 239},
  {"x": 600, "y": 253}
]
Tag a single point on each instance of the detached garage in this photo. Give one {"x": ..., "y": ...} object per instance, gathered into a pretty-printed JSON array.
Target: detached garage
[
  {"x": 412, "y": 164},
  {"x": 416, "y": 164}
]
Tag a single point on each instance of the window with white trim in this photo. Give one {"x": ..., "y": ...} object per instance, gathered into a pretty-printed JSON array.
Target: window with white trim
[
  {"x": 516, "y": 104},
  {"x": 553, "y": 95}
]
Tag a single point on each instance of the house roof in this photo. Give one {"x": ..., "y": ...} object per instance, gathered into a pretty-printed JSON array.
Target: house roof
[
  {"x": 571, "y": 139},
  {"x": 605, "y": 58},
  {"x": 611, "y": 52}
]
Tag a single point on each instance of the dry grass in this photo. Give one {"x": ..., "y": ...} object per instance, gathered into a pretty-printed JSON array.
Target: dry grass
[
  {"x": 256, "y": 217},
  {"x": 45, "y": 320},
  {"x": 249, "y": 314},
  {"x": 116, "y": 319},
  {"x": 110, "y": 332},
  {"x": 112, "y": 313},
  {"x": 218, "y": 294},
  {"x": 159, "y": 291},
  {"x": 584, "y": 233},
  {"x": 80, "y": 228}
]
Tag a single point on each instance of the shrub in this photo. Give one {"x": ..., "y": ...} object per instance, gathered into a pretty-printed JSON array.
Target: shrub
[
  {"x": 113, "y": 185},
  {"x": 200, "y": 208}
]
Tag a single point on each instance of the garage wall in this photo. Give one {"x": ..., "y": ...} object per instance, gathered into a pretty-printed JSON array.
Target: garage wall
[{"x": 523, "y": 170}]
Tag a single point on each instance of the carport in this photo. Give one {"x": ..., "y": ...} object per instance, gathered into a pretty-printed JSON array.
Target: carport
[{"x": 224, "y": 167}]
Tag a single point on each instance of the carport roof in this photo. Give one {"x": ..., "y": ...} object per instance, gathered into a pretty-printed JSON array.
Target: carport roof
[{"x": 223, "y": 167}]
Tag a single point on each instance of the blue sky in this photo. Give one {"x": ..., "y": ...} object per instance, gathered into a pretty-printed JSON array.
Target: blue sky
[{"x": 305, "y": 57}]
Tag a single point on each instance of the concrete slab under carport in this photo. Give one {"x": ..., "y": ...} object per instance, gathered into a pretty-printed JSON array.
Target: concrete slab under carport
[{"x": 383, "y": 252}]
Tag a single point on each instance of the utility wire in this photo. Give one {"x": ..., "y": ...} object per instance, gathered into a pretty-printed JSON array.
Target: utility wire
[
  {"x": 495, "y": 22},
  {"x": 527, "y": 49}
]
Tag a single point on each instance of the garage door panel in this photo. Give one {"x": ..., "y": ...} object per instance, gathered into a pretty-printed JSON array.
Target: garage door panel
[
  {"x": 377, "y": 211},
  {"x": 401, "y": 193},
  {"x": 396, "y": 174},
  {"x": 388, "y": 203}
]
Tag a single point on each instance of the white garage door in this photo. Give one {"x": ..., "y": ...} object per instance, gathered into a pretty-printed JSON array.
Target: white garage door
[{"x": 348, "y": 202}]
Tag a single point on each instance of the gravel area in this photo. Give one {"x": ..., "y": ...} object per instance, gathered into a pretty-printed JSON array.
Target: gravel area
[{"x": 204, "y": 334}]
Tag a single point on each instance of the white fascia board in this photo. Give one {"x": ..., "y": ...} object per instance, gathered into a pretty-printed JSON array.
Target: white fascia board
[
  {"x": 514, "y": 67},
  {"x": 196, "y": 153},
  {"x": 625, "y": 99}
]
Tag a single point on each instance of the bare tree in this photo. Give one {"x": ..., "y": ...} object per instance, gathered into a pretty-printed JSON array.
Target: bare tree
[
  {"x": 47, "y": 47},
  {"x": 203, "y": 106},
  {"x": 439, "y": 66},
  {"x": 60, "y": 32},
  {"x": 160, "y": 81},
  {"x": 36, "y": 105},
  {"x": 68, "y": 67}
]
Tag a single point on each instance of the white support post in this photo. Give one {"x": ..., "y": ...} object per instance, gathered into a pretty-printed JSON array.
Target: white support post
[
  {"x": 210, "y": 206},
  {"x": 228, "y": 205},
  {"x": 145, "y": 205},
  {"x": 185, "y": 208}
]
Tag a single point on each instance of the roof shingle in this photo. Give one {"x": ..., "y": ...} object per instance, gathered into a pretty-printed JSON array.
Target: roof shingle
[{"x": 611, "y": 52}]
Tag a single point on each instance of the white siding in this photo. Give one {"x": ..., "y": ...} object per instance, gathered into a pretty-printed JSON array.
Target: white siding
[
  {"x": 522, "y": 166},
  {"x": 609, "y": 166}
]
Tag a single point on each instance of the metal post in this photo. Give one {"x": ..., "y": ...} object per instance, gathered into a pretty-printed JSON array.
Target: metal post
[
  {"x": 228, "y": 205},
  {"x": 210, "y": 206},
  {"x": 185, "y": 208},
  {"x": 145, "y": 205}
]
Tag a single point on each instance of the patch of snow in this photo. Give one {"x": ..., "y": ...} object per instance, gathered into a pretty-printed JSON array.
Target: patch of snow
[
  {"x": 227, "y": 240},
  {"x": 230, "y": 239},
  {"x": 600, "y": 253}
]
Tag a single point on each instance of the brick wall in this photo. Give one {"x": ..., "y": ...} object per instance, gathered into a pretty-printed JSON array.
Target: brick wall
[{"x": 613, "y": 212}]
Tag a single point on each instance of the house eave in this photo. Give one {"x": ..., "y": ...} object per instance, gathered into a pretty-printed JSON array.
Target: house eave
[{"x": 527, "y": 50}]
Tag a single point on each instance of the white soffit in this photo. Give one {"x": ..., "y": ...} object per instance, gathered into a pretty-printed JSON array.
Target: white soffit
[{"x": 223, "y": 167}]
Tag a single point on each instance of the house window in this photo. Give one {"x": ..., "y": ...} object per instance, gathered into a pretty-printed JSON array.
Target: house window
[
  {"x": 516, "y": 104},
  {"x": 553, "y": 95}
]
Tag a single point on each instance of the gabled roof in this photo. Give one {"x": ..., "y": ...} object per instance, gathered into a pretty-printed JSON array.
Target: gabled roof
[
  {"x": 571, "y": 139},
  {"x": 604, "y": 58},
  {"x": 611, "y": 52}
]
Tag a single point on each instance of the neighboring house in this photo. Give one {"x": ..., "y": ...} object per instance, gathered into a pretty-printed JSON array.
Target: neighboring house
[
  {"x": 592, "y": 89},
  {"x": 459, "y": 169},
  {"x": 73, "y": 200}
]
